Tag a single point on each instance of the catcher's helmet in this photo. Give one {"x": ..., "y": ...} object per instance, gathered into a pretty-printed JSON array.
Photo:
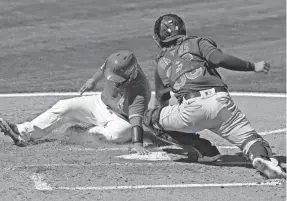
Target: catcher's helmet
[
  {"x": 121, "y": 66},
  {"x": 168, "y": 28}
]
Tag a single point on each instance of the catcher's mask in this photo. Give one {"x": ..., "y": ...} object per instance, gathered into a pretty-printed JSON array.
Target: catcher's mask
[
  {"x": 168, "y": 28},
  {"x": 121, "y": 67}
]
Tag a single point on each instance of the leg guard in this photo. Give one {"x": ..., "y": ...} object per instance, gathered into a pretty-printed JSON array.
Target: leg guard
[
  {"x": 151, "y": 119},
  {"x": 205, "y": 150},
  {"x": 259, "y": 149},
  {"x": 260, "y": 155},
  {"x": 255, "y": 147}
]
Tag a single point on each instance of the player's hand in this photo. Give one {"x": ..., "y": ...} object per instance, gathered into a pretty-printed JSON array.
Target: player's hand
[
  {"x": 140, "y": 149},
  {"x": 262, "y": 66},
  {"x": 88, "y": 86}
]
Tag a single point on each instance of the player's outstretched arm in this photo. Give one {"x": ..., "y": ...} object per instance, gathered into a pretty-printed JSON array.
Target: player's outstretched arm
[
  {"x": 92, "y": 82},
  {"x": 137, "y": 135},
  {"x": 233, "y": 63},
  {"x": 216, "y": 57}
]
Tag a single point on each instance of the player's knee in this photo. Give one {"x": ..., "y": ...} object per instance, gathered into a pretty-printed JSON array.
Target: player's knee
[
  {"x": 61, "y": 105},
  {"x": 65, "y": 106}
]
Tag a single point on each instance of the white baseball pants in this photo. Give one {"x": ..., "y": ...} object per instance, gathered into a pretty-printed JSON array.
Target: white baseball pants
[
  {"x": 89, "y": 110},
  {"x": 216, "y": 112}
]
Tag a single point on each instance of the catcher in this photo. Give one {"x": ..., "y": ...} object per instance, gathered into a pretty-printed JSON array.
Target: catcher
[
  {"x": 116, "y": 114},
  {"x": 187, "y": 66}
]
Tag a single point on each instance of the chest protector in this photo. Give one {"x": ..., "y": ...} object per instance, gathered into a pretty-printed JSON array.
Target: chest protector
[{"x": 184, "y": 64}]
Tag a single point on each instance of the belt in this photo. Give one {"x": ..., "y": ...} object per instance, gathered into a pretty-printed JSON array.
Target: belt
[{"x": 204, "y": 93}]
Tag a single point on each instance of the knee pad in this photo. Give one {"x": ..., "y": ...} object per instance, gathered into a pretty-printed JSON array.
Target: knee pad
[{"x": 151, "y": 118}]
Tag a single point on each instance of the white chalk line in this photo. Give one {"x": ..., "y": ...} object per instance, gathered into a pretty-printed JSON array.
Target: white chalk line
[
  {"x": 277, "y": 131},
  {"x": 41, "y": 185},
  {"x": 220, "y": 185},
  {"x": 40, "y": 94},
  {"x": 273, "y": 131}
]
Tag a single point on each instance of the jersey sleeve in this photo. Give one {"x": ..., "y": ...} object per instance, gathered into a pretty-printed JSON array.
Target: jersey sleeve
[
  {"x": 207, "y": 47},
  {"x": 138, "y": 99},
  {"x": 209, "y": 51}
]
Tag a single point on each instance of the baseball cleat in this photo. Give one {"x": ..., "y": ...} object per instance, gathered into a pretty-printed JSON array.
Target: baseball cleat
[
  {"x": 269, "y": 167},
  {"x": 12, "y": 131},
  {"x": 208, "y": 155}
]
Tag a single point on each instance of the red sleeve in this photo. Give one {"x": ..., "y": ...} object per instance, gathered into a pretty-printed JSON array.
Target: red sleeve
[{"x": 138, "y": 100}]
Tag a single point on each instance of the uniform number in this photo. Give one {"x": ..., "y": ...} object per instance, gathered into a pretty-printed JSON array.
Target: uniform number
[{"x": 180, "y": 82}]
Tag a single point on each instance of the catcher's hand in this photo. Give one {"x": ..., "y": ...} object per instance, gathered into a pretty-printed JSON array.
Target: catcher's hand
[
  {"x": 262, "y": 66},
  {"x": 88, "y": 86}
]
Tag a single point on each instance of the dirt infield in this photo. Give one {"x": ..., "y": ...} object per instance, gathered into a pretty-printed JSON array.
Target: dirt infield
[{"x": 72, "y": 166}]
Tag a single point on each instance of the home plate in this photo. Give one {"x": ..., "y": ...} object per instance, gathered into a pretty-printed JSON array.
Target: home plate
[{"x": 152, "y": 156}]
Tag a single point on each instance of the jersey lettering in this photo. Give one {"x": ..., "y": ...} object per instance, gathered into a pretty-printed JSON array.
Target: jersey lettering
[
  {"x": 183, "y": 49},
  {"x": 164, "y": 62}
]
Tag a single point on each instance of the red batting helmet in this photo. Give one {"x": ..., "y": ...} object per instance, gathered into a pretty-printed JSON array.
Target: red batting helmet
[{"x": 121, "y": 66}]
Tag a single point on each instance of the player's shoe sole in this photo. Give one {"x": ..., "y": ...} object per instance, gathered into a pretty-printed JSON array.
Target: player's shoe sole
[
  {"x": 269, "y": 168},
  {"x": 7, "y": 129},
  {"x": 209, "y": 159}
]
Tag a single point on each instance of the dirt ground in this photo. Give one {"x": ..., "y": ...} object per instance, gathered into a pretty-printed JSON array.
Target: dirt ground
[{"x": 75, "y": 166}]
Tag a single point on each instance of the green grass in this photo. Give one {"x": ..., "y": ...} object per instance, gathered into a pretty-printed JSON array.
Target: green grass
[{"x": 58, "y": 44}]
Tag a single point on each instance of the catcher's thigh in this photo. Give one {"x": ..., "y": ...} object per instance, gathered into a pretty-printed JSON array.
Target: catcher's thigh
[{"x": 193, "y": 115}]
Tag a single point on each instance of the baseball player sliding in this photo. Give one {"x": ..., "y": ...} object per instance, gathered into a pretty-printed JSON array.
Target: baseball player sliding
[
  {"x": 187, "y": 66},
  {"x": 116, "y": 114}
]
